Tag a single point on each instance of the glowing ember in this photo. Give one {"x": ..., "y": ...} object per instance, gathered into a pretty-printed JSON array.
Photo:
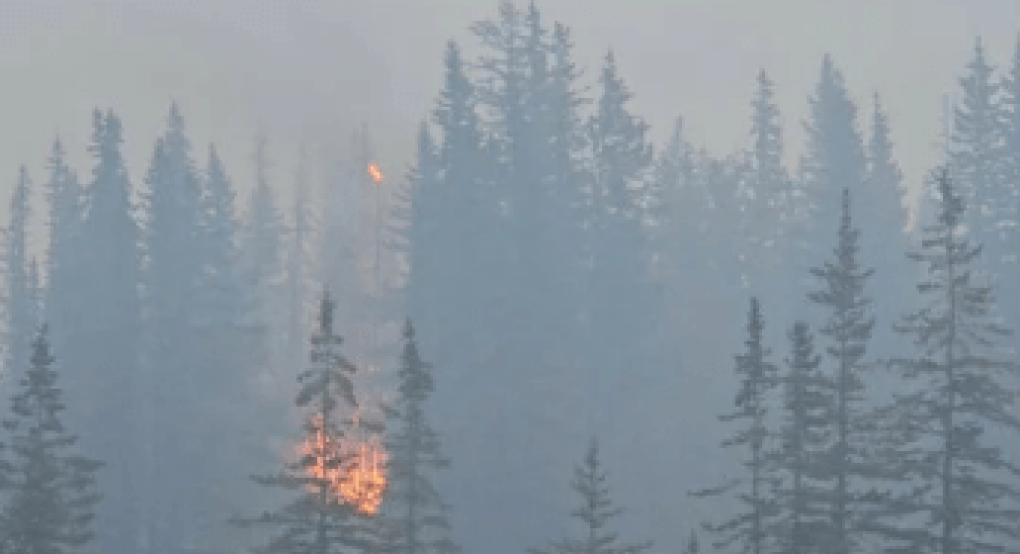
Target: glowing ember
[
  {"x": 375, "y": 173},
  {"x": 360, "y": 480}
]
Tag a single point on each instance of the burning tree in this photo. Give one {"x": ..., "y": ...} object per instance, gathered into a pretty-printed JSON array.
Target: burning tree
[{"x": 337, "y": 478}]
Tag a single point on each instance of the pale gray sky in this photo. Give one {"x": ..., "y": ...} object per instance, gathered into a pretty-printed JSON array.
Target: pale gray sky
[{"x": 310, "y": 69}]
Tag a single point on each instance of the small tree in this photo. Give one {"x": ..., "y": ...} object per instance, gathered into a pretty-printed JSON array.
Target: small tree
[
  {"x": 414, "y": 512},
  {"x": 848, "y": 329},
  {"x": 318, "y": 520},
  {"x": 50, "y": 488},
  {"x": 692, "y": 546},
  {"x": 595, "y": 511},
  {"x": 804, "y": 504},
  {"x": 758, "y": 376}
]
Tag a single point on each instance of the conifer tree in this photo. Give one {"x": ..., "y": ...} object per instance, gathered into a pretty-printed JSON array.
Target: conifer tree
[
  {"x": 414, "y": 510},
  {"x": 693, "y": 546},
  {"x": 50, "y": 488},
  {"x": 595, "y": 512},
  {"x": 461, "y": 224},
  {"x": 835, "y": 159},
  {"x": 749, "y": 530},
  {"x": 768, "y": 215},
  {"x": 425, "y": 232},
  {"x": 64, "y": 196},
  {"x": 104, "y": 340},
  {"x": 620, "y": 299},
  {"x": 1010, "y": 283},
  {"x": 848, "y": 328},
  {"x": 318, "y": 519},
  {"x": 886, "y": 219},
  {"x": 803, "y": 501},
  {"x": 261, "y": 242},
  {"x": 20, "y": 309},
  {"x": 298, "y": 261},
  {"x": 975, "y": 156},
  {"x": 174, "y": 276},
  {"x": 956, "y": 416}
]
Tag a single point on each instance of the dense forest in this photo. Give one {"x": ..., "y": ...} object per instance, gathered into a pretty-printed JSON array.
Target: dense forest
[{"x": 510, "y": 347}]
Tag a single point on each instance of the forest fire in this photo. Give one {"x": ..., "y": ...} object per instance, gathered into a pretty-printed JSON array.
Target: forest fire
[
  {"x": 360, "y": 478},
  {"x": 375, "y": 173}
]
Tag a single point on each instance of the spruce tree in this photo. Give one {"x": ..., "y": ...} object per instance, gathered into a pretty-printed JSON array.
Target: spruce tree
[
  {"x": 104, "y": 340},
  {"x": 595, "y": 512},
  {"x": 426, "y": 231},
  {"x": 848, "y": 328},
  {"x": 174, "y": 275},
  {"x": 768, "y": 216},
  {"x": 414, "y": 511},
  {"x": 64, "y": 196},
  {"x": 975, "y": 156},
  {"x": 621, "y": 305},
  {"x": 803, "y": 501},
  {"x": 261, "y": 241},
  {"x": 835, "y": 160},
  {"x": 298, "y": 262},
  {"x": 749, "y": 530},
  {"x": 956, "y": 415},
  {"x": 1010, "y": 284},
  {"x": 50, "y": 488},
  {"x": 318, "y": 519},
  {"x": 20, "y": 309},
  {"x": 886, "y": 220}
]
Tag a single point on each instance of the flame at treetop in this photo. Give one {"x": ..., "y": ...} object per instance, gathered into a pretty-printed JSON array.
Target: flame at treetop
[
  {"x": 359, "y": 479},
  {"x": 375, "y": 173}
]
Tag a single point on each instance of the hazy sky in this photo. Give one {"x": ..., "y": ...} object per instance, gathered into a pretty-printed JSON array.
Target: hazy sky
[{"x": 310, "y": 69}]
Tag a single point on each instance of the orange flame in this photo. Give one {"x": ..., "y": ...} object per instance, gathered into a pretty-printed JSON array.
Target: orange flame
[
  {"x": 360, "y": 480},
  {"x": 375, "y": 173}
]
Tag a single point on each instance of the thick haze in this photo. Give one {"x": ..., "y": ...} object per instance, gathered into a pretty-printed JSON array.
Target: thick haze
[
  {"x": 311, "y": 69},
  {"x": 545, "y": 322}
]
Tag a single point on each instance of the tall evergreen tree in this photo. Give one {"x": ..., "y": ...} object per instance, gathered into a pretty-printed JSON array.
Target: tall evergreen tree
[
  {"x": 887, "y": 217},
  {"x": 767, "y": 213},
  {"x": 458, "y": 247},
  {"x": 64, "y": 196},
  {"x": 803, "y": 504},
  {"x": 1010, "y": 289},
  {"x": 848, "y": 327},
  {"x": 103, "y": 338},
  {"x": 414, "y": 509},
  {"x": 425, "y": 232},
  {"x": 835, "y": 158},
  {"x": 621, "y": 303},
  {"x": 50, "y": 488},
  {"x": 298, "y": 261},
  {"x": 174, "y": 276},
  {"x": 595, "y": 512},
  {"x": 956, "y": 415},
  {"x": 262, "y": 250},
  {"x": 749, "y": 530},
  {"x": 20, "y": 309},
  {"x": 318, "y": 520},
  {"x": 974, "y": 157}
]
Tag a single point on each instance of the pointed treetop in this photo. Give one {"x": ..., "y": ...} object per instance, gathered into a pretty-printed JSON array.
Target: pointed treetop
[
  {"x": 408, "y": 330},
  {"x": 326, "y": 308},
  {"x": 952, "y": 204}
]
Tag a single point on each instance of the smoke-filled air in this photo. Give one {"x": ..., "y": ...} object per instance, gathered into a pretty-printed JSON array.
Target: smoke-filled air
[{"x": 509, "y": 277}]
